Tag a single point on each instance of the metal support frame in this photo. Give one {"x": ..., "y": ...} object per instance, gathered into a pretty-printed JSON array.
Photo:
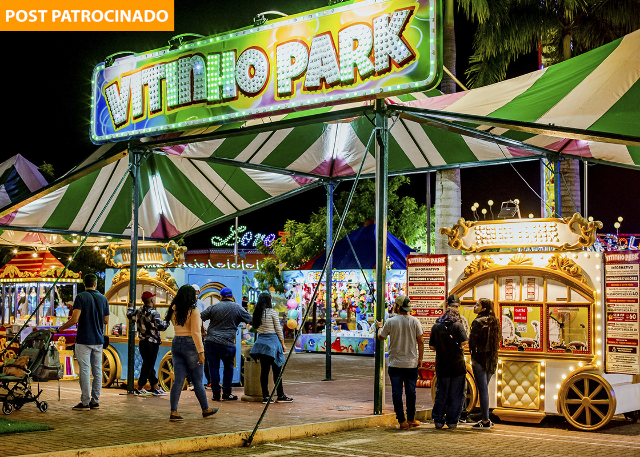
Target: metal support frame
[
  {"x": 557, "y": 188},
  {"x": 585, "y": 186},
  {"x": 382, "y": 187},
  {"x": 330, "y": 187},
  {"x": 428, "y": 212},
  {"x": 134, "y": 163}
]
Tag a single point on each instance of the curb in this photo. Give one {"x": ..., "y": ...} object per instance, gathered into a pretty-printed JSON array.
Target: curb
[{"x": 236, "y": 439}]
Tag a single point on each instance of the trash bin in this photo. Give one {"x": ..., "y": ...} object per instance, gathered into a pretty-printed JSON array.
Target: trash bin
[{"x": 252, "y": 368}]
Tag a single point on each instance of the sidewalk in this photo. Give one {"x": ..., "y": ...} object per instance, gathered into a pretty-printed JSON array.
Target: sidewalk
[{"x": 126, "y": 419}]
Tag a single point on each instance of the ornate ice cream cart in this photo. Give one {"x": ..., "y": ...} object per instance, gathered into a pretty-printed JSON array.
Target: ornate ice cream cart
[{"x": 554, "y": 318}]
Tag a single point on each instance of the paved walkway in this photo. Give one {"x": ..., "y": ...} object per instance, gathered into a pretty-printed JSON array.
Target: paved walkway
[
  {"x": 124, "y": 419},
  {"x": 552, "y": 438}
]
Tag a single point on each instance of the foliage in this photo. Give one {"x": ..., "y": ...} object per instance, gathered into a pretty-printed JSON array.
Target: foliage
[
  {"x": 406, "y": 220},
  {"x": 86, "y": 261},
  {"x": 509, "y": 29},
  {"x": 47, "y": 170}
]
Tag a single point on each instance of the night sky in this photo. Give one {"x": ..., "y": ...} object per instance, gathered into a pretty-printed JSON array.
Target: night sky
[{"x": 46, "y": 82}]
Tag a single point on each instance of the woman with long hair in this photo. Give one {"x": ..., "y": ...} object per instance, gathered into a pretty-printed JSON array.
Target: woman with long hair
[
  {"x": 269, "y": 348},
  {"x": 484, "y": 342},
  {"x": 187, "y": 350}
]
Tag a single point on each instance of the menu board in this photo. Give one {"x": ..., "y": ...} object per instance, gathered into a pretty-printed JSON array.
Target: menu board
[
  {"x": 622, "y": 271},
  {"x": 427, "y": 289}
]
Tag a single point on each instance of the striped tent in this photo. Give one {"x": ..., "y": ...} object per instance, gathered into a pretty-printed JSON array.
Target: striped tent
[
  {"x": 585, "y": 108},
  {"x": 18, "y": 178}
]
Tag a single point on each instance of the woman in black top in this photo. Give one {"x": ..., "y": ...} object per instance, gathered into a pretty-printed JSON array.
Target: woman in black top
[{"x": 484, "y": 342}]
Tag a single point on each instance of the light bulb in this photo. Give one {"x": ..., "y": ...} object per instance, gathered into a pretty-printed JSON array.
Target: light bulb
[
  {"x": 542, "y": 374},
  {"x": 75, "y": 241},
  {"x": 473, "y": 208},
  {"x": 617, "y": 225},
  {"x": 70, "y": 259},
  {"x": 620, "y": 219},
  {"x": 570, "y": 368},
  {"x": 590, "y": 218},
  {"x": 95, "y": 248},
  {"x": 564, "y": 376},
  {"x": 530, "y": 215},
  {"x": 542, "y": 363},
  {"x": 490, "y": 202},
  {"x": 541, "y": 397},
  {"x": 484, "y": 211},
  {"x": 476, "y": 204},
  {"x": 599, "y": 353},
  {"x": 35, "y": 254},
  {"x": 15, "y": 251},
  {"x": 542, "y": 386},
  {"x": 579, "y": 364},
  {"x": 516, "y": 201},
  {"x": 555, "y": 397},
  {"x": 557, "y": 386}
]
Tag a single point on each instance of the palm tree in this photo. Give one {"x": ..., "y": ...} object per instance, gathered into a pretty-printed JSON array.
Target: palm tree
[{"x": 447, "y": 206}]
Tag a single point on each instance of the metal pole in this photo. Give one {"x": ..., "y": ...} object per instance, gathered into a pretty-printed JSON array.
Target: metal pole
[
  {"x": 428, "y": 212},
  {"x": 557, "y": 188},
  {"x": 329, "y": 276},
  {"x": 382, "y": 174},
  {"x": 586, "y": 189},
  {"x": 134, "y": 162},
  {"x": 235, "y": 244}
]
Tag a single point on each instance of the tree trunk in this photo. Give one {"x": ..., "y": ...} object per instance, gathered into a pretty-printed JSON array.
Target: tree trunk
[
  {"x": 570, "y": 169},
  {"x": 448, "y": 211},
  {"x": 448, "y": 85},
  {"x": 566, "y": 47}
]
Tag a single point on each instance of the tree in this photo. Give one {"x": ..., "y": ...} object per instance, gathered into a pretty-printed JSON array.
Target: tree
[
  {"x": 88, "y": 260},
  {"x": 564, "y": 28},
  {"x": 47, "y": 170},
  {"x": 304, "y": 240}
]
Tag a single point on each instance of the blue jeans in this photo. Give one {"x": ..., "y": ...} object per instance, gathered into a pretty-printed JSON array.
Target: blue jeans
[
  {"x": 89, "y": 359},
  {"x": 407, "y": 377},
  {"x": 185, "y": 360},
  {"x": 216, "y": 353},
  {"x": 449, "y": 400},
  {"x": 482, "y": 378}
]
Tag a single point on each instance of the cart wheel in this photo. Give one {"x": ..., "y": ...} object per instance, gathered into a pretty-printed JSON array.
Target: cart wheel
[
  {"x": 587, "y": 401},
  {"x": 17, "y": 406},
  {"x": 109, "y": 368},
  {"x": 471, "y": 396},
  {"x": 165, "y": 375},
  {"x": 7, "y": 408},
  {"x": 43, "y": 406}
]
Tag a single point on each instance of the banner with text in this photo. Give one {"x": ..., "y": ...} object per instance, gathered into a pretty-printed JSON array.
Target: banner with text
[{"x": 622, "y": 271}]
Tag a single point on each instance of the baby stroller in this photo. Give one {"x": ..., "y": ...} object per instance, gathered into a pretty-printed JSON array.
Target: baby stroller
[{"x": 43, "y": 364}]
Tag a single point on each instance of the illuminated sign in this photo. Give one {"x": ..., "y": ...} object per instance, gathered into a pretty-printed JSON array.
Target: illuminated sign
[
  {"x": 339, "y": 54},
  {"x": 248, "y": 239},
  {"x": 569, "y": 233},
  {"x": 165, "y": 255}
]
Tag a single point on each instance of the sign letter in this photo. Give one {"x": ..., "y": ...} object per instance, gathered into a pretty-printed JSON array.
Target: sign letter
[
  {"x": 291, "y": 61},
  {"x": 387, "y": 42},
  {"x": 361, "y": 35}
]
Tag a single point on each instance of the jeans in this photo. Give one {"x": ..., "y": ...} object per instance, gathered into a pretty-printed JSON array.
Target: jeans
[
  {"x": 267, "y": 363},
  {"x": 185, "y": 360},
  {"x": 89, "y": 359},
  {"x": 482, "y": 378},
  {"x": 215, "y": 353},
  {"x": 408, "y": 377},
  {"x": 449, "y": 400},
  {"x": 149, "y": 354}
]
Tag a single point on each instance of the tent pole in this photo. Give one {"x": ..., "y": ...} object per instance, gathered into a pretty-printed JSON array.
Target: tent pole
[
  {"x": 585, "y": 186},
  {"x": 428, "y": 212},
  {"x": 557, "y": 188},
  {"x": 382, "y": 172},
  {"x": 134, "y": 162},
  {"x": 329, "y": 275}
]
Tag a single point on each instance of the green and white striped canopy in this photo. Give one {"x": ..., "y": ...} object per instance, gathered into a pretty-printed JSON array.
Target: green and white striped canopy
[{"x": 586, "y": 107}]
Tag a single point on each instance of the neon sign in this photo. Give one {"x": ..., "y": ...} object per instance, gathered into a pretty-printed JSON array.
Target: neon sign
[
  {"x": 248, "y": 239},
  {"x": 338, "y": 54}
]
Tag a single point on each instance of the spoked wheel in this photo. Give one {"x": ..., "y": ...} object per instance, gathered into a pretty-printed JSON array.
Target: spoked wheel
[
  {"x": 109, "y": 368},
  {"x": 587, "y": 401},
  {"x": 43, "y": 406},
  {"x": 471, "y": 396},
  {"x": 17, "y": 406},
  {"x": 166, "y": 375},
  {"x": 7, "y": 408}
]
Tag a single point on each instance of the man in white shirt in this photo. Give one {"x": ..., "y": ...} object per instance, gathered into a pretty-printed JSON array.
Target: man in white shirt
[{"x": 406, "y": 349}]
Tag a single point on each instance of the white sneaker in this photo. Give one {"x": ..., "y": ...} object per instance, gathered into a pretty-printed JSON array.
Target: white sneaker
[
  {"x": 140, "y": 392},
  {"x": 159, "y": 392},
  {"x": 190, "y": 387}
]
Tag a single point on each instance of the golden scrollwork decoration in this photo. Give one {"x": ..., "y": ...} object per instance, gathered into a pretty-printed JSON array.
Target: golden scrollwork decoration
[
  {"x": 457, "y": 232},
  {"x": 567, "y": 266},
  {"x": 176, "y": 251},
  {"x": 166, "y": 278},
  {"x": 585, "y": 229},
  {"x": 484, "y": 263},
  {"x": 171, "y": 248},
  {"x": 121, "y": 276},
  {"x": 520, "y": 259}
]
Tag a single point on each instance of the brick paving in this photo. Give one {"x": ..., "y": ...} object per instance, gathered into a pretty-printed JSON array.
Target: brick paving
[
  {"x": 552, "y": 438},
  {"x": 124, "y": 419}
]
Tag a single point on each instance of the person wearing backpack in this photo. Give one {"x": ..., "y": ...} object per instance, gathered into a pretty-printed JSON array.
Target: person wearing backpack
[
  {"x": 448, "y": 338},
  {"x": 91, "y": 313}
]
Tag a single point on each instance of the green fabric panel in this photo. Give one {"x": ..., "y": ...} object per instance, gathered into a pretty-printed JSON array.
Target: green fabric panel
[
  {"x": 145, "y": 176},
  {"x": 117, "y": 220},
  {"x": 553, "y": 86},
  {"x": 230, "y": 126},
  {"x": 307, "y": 112},
  {"x": 71, "y": 202},
  {"x": 398, "y": 160},
  {"x": 518, "y": 136},
  {"x": 406, "y": 98},
  {"x": 634, "y": 152},
  {"x": 294, "y": 145},
  {"x": 363, "y": 129},
  {"x": 622, "y": 117},
  {"x": 450, "y": 146},
  {"x": 240, "y": 181},
  {"x": 232, "y": 147},
  {"x": 183, "y": 189}
]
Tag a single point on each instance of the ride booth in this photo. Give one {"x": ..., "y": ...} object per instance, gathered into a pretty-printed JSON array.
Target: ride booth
[
  {"x": 569, "y": 318},
  {"x": 164, "y": 281}
]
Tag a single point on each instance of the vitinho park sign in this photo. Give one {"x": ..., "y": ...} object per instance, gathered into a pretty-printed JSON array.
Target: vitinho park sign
[{"x": 344, "y": 53}]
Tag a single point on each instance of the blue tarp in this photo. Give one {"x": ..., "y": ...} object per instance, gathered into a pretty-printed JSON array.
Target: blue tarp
[{"x": 364, "y": 243}]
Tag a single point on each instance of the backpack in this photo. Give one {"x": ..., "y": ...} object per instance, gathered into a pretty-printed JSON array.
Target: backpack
[{"x": 50, "y": 369}]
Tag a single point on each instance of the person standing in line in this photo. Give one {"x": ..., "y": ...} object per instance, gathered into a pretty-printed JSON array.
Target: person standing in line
[
  {"x": 269, "y": 346},
  {"x": 406, "y": 350},
  {"x": 205, "y": 324},
  {"x": 91, "y": 313},
  {"x": 448, "y": 338},
  {"x": 484, "y": 342},
  {"x": 220, "y": 342},
  {"x": 187, "y": 350},
  {"x": 149, "y": 327}
]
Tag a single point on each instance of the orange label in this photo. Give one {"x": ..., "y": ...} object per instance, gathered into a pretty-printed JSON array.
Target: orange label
[{"x": 80, "y": 15}]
